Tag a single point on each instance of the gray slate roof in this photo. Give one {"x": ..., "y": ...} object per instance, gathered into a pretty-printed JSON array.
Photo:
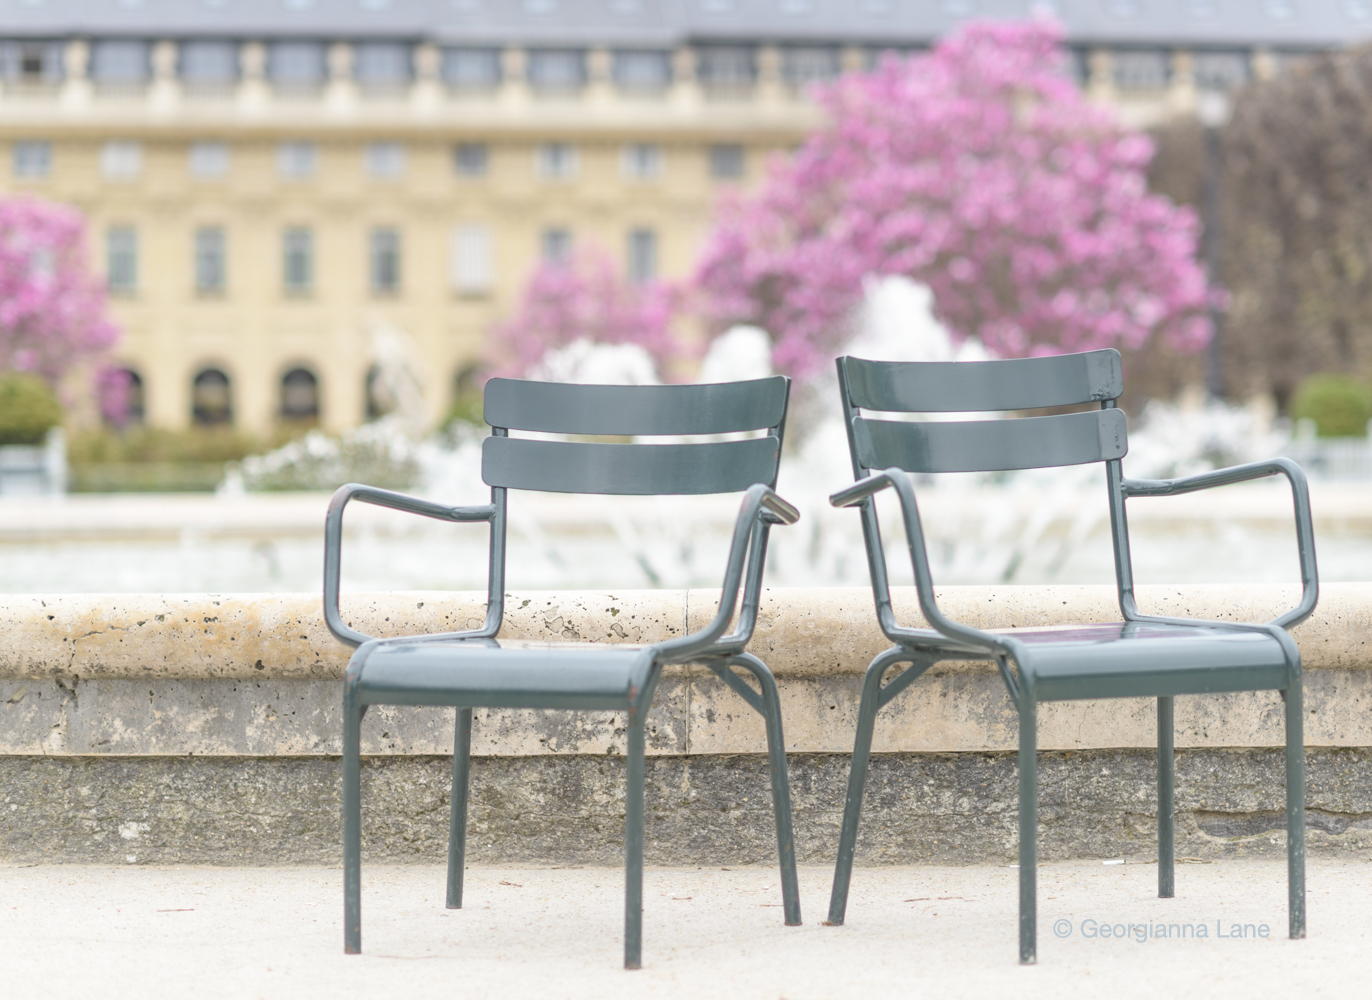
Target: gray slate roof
[{"x": 650, "y": 23}]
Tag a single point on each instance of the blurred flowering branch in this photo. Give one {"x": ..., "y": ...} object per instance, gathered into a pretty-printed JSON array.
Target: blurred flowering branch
[
  {"x": 980, "y": 170},
  {"x": 585, "y": 299},
  {"x": 52, "y": 308}
]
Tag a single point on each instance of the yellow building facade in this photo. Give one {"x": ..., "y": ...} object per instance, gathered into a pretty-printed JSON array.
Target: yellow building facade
[{"x": 271, "y": 213}]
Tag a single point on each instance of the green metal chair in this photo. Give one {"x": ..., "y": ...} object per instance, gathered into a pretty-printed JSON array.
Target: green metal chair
[
  {"x": 1142, "y": 656},
  {"x": 476, "y": 668}
]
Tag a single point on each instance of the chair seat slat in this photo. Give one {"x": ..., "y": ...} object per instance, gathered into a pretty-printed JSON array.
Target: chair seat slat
[
  {"x": 629, "y": 469},
  {"x": 991, "y": 445},
  {"x": 563, "y": 408},
  {"x": 962, "y": 387}
]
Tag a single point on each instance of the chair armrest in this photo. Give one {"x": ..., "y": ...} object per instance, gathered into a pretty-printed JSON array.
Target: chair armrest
[
  {"x": 1300, "y": 495},
  {"x": 897, "y": 480},
  {"x": 333, "y": 541},
  {"x": 760, "y": 509}
]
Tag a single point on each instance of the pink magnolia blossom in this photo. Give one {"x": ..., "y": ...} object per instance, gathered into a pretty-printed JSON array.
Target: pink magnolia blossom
[
  {"x": 52, "y": 308},
  {"x": 980, "y": 170},
  {"x": 585, "y": 298}
]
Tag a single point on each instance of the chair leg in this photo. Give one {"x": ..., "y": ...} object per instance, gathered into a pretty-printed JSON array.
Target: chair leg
[
  {"x": 1295, "y": 806},
  {"x": 457, "y": 823},
  {"x": 857, "y": 782},
  {"x": 633, "y": 849},
  {"x": 1167, "y": 810},
  {"x": 1028, "y": 833},
  {"x": 781, "y": 787},
  {"x": 352, "y": 826}
]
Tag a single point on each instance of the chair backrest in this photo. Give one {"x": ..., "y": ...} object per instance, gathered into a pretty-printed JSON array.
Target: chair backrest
[
  {"x": 970, "y": 386},
  {"x": 639, "y": 411}
]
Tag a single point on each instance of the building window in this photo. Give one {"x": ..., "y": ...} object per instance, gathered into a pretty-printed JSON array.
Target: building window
[
  {"x": 209, "y": 64},
  {"x": 1222, "y": 71},
  {"x": 806, "y": 64},
  {"x": 211, "y": 398},
  {"x": 726, "y": 161},
  {"x": 121, "y": 62},
  {"x": 384, "y": 254},
  {"x": 208, "y": 160},
  {"x": 211, "y": 264},
  {"x": 382, "y": 65},
  {"x": 471, "y": 159},
  {"x": 297, "y": 260},
  {"x": 135, "y": 398},
  {"x": 642, "y": 256},
  {"x": 557, "y": 69},
  {"x": 556, "y": 245},
  {"x": 32, "y": 159},
  {"x": 726, "y": 67},
  {"x": 557, "y": 160},
  {"x": 379, "y": 398},
  {"x": 1140, "y": 70},
  {"x": 295, "y": 159},
  {"x": 471, "y": 69},
  {"x": 121, "y": 161},
  {"x": 300, "y": 396},
  {"x": 296, "y": 65},
  {"x": 471, "y": 260},
  {"x": 31, "y": 63},
  {"x": 643, "y": 70},
  {"x": 385, "y": 160},
  {"x": 641, "y": 161},
  {"x": 121, "y": 259}
]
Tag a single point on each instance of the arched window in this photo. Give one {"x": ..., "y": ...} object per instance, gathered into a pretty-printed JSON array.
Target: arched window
[
  {"x": 212, "y": 398},
  {"x": 299, "y": 395},
  {"x": 122, "y": 399}
]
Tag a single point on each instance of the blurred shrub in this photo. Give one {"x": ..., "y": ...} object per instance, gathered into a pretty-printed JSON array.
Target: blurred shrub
[
  {"x": 28, "y": 409},
  {"x": 155, "y": 444},
  {"x": 377, "y": 453},
  {"x": 1340, "y": 405}
]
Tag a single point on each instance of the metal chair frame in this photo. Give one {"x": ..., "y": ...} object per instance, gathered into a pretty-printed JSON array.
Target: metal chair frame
[
  {"x": 884, "y": 452},
  {"x": 555, "y": 677}
]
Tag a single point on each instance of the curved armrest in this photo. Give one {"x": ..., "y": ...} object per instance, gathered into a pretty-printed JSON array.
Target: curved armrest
[
  {"x": 760, "y": 509},
  {"x": 896, "y": 479},
  {"x": 333, "y": 542},
  {"x": 1300, "y": 495}
]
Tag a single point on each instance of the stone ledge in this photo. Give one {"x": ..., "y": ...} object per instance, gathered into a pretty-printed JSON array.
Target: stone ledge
[
  {"x": 800, "y": 631},
  {"x": 712, "y": 810}
]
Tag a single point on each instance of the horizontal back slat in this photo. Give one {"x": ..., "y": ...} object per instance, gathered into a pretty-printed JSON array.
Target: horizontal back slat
[
  {"x": 629, "y": 469},
  {"x": 965, "y": 386},
  {"x": 991, "y": 445},
  {"x": 563, "y": 408}
]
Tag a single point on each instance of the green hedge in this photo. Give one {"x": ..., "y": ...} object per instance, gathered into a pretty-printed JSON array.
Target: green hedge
[
  {"x": 28, "y": 409},
  {"x": 1340, "y": 405}
]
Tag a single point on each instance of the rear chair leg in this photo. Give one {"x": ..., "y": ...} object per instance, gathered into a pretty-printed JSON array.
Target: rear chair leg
[
  {"x": 457, "y": 823},
  {"x": 1167, "y": 810},
  {"x": 352, "y": 826},
  {"x": 633, "y": 849},
  {"x": 781, "y": 789},
  {"x": 1295, "y": 806},
  {"x": 857, "y": 782},
  {"x": 1028, "y": 833}
]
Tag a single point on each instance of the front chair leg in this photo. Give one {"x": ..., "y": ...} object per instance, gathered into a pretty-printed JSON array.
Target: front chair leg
[
  {"x": 1295, "y": 806},
  {"x": 1167, "y": 809},
  {"x": 457, "y": 823},
  {"x": 633, "y": 848},
  {"x": 857, "y": 780},
  {"x": 1028, "y": 833},
  {"x": 352, "y": 825},
  {"x": 781, "y": 786}
]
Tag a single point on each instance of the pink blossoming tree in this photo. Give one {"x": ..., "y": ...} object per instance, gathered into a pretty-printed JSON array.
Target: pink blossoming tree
[
  {"x": 980, "y": 170},
  {"x": 52, "y": 308},
  {"x": 585, "y": 298}
]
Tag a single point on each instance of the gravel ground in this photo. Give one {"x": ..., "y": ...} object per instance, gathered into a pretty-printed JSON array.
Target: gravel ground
[{"x": 76, "y": 931}]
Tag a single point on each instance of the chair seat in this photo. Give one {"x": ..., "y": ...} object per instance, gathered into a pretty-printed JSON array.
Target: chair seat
[
  {"x": 504, "y": 674},
  {"x": 1144, "y": 659}
]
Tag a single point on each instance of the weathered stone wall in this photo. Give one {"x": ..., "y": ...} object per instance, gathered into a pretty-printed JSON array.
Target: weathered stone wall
[{"x": 206, "y": 728}]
